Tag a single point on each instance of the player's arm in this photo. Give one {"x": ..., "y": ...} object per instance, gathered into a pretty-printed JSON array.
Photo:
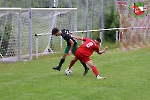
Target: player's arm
[
  {"x": 68, "y": 39},
  {"x": 69, "y": 32},
  {"x": 71, "y": 47},
  {"x": 78, "y": 38},
  {"x": 102, "y": 51}
]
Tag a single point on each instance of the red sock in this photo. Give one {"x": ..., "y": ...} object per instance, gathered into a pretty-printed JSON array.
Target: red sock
[
  {"x": 71, "y": 64},
  {"x": 95, "y": 71}
]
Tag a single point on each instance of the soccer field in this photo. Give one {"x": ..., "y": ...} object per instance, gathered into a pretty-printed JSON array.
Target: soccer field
[{"x": 128, "y": 78}]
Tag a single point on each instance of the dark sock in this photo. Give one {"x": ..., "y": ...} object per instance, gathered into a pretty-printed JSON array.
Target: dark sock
[
  {"x": 61, "y": 62},
  {"x": 84, "y": 65}
]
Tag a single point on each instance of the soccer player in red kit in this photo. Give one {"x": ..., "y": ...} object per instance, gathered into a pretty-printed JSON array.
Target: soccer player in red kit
[{"x": 84, "y": 52}]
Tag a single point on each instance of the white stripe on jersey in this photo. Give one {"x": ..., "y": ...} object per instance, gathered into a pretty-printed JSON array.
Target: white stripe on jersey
[{"x": 94, "y": 42}]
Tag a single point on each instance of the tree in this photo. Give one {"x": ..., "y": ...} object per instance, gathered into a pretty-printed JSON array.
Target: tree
[{"x": 111, "y": 21}]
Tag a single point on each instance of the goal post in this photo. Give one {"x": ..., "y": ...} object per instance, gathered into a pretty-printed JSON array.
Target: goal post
[
  {"x": 43, "y": 21},
  {"x": 18, "y": 27}
]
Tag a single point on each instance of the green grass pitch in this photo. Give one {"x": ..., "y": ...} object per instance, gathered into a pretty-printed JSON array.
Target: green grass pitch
[{"x": 128, "y": 78}]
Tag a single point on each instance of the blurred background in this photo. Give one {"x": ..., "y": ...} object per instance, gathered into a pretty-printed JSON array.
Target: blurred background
[{"x": 92, "y": 14}]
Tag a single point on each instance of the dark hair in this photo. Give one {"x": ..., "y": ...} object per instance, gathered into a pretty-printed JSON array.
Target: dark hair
[
  {"x": 98, "y": 39},
  {"x": 54, "y": 31}
]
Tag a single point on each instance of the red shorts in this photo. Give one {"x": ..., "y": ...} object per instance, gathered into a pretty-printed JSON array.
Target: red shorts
[{"x": 82, "y": 57}]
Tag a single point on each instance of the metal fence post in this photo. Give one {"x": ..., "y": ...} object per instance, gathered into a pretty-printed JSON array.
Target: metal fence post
[
  {"x": 69, "y": 3},
  {"x": 101, "y": 34},
  {"x": 75, "y": 22},
  {"x": 116, "y": 36},
  {"x": 61, "y": 44},
  {"x": 55, "y": 3},
  {"x": 82, "y": 36},
  {"x": 102, "y": 17},
  {"x": 4, "y": 3},
  {"x": 36, "y": 41},
  {"x": 28, "y": 3},
  {"x": 30, "y": 34},
  {"x": 91, "y": 35},
  {"x": 20, "y": 36},
  {"x": 119, "y": 36},
  {"x": 50, "y": 4},
  {"x": 86, "y": 18}
]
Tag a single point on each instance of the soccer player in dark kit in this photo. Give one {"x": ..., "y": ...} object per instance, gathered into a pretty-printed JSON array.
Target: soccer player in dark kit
[{"x": 70, "y": 48}]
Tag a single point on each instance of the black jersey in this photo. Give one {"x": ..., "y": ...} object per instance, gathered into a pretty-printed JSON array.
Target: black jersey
[{"x": 66, "y": 36}]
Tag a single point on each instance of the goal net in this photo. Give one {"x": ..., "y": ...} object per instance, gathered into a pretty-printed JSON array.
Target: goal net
[
  {"x": 9, "y": 33},
  {"x": 18, "y": 28},
  {"x": 136, "y": 32},
  {"x": 44, "y": 20}
]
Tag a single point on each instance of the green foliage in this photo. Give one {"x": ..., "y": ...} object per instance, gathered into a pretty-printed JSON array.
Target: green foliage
[
  {"x": 40, "y": 3},
  {"x": 24, "y": 3},
  {"x": 1, "y": 3},
  {"x": 16, "y": 3},
  {"x": 111, "y": 21},
  {"x": 95, "y": 35},
  {"x": 6, "y": 37},
  {"x": 110, "y": 45}
]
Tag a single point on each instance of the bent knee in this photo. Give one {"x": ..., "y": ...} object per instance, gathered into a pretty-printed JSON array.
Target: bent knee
[{"x": 64, "y": 56}]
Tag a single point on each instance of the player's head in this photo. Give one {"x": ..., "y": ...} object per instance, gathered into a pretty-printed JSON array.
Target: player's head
[
  {"x": 98, "y": 40},
  {"x": 56, "y": 32}
]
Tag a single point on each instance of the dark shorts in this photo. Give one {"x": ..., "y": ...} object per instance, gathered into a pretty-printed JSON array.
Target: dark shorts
[
  {"x": 82, "y": 57},
  {"x": 73, "y": 50}
]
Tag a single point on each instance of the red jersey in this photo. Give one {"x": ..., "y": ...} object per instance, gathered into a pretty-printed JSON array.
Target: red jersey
[{"x": 88, "y": 47}]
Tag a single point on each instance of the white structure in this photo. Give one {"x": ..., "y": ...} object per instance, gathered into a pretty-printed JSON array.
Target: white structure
[{"x": 19, "y": 26}]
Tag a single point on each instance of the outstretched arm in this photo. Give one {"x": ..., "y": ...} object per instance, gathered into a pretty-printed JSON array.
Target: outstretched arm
[
  {"x": 77, "y": 37},
  {"x": 102, "y": 51},
  {"x": 69, "y": 32}
]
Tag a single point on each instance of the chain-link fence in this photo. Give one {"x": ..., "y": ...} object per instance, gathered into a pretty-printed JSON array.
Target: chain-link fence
[
  {"x": 90, "y": 12},
  {"x": 107, "y": 19}
]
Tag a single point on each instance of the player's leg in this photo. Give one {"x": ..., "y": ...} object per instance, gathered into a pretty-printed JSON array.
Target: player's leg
[
  {"x": 83, "y": 64},
  {"x": 94, "y": 69},
  {"x": 72, "y": 62},
  {"x": 85, "y": 67},
  {"x": 62, "y": 60}
]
